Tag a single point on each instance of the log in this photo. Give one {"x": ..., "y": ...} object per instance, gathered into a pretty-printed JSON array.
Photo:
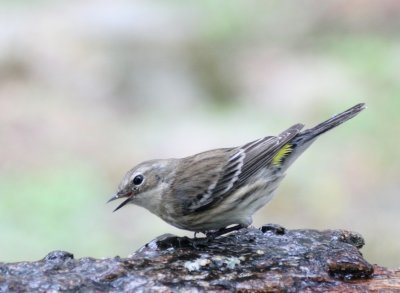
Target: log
[{"x": 269, "y": 259}]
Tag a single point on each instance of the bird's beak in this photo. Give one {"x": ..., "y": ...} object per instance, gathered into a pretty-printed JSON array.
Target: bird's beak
[
  {"x": 121, "y": 195},
  {"x": 114, "y": 197}
]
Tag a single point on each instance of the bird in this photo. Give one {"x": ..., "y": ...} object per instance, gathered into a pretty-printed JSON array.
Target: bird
[{"x": 218, "y": 191}]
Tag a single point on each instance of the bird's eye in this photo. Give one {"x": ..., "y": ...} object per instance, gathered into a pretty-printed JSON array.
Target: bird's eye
[{"x": 138, "y": 180}]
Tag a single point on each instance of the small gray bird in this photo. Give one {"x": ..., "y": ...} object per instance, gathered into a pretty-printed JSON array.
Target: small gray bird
[{"x": 210, "y": 191}]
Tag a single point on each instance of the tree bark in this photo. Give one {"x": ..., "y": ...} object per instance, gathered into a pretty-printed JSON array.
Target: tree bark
[{"x": 269, "y": 259}]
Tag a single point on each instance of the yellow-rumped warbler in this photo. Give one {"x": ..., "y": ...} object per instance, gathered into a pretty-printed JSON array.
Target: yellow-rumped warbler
[{"x": 217, "y": 188}]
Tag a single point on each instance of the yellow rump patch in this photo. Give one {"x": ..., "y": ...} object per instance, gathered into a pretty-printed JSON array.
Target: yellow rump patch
[{"x": 283, "y": 152}]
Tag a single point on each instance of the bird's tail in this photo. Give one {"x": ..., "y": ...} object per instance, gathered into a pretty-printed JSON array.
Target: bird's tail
[
  {"x": 336, "y": 120},
  {"x": 305, "y": 138}
]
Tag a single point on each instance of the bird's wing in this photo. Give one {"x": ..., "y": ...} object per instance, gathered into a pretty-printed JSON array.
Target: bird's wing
[
  {"x": 260, "y": 153},
  {"x": 195, "y": 179},
  {"x": 209, "y": 177}
]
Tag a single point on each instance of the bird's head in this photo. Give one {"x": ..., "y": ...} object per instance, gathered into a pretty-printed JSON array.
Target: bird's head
[{"x": 144, "y": 184}]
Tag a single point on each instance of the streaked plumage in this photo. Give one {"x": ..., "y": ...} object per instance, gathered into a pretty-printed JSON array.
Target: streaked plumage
[{"x": 217, "y": 188}]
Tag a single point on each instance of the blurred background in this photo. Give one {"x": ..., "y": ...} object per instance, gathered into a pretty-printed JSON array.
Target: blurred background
[{"x": 88, "y": 89}]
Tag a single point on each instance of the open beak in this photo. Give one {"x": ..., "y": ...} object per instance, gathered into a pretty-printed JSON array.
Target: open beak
[
  {"x": 121, "y": 195},
  {"x": 114, "y": 197}
]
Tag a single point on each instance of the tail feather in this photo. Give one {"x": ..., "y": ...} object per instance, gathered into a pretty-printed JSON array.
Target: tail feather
[
  {"x": 327, "y": 125},
  {"x": 305, "y": 138}
]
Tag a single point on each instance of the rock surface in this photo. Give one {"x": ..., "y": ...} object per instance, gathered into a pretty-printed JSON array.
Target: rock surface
[{"x": 269, "y": 259}]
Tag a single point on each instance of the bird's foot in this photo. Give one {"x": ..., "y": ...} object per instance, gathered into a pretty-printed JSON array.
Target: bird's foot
[{"x": 223, "y": 231}]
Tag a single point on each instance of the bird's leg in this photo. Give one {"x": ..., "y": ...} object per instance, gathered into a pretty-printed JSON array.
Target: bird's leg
[{"x": 222, "y": 231}]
